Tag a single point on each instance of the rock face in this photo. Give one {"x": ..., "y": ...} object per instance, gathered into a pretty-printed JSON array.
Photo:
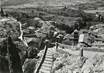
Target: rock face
[{"x": 70, "y": 63}]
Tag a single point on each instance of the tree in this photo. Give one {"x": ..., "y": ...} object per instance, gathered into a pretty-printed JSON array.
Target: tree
[
  {"x": 2, "y": 12},
  {"x": 13, "y": 57}
]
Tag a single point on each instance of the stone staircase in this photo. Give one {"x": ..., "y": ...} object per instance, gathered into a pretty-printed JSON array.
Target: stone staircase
[{"x": 48, "y": 62}]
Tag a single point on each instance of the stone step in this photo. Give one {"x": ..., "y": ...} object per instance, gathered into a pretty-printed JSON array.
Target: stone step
[
  {"x": 48, "y": 59},
  {"x": 46, "y": 68},
  {"x": 44, "y": 71},
  {"x": 50, "y": 53},
  {"x": 45, "y": 64},
  {"x": 51, "y": 50},
  {"x": 49, "y": 66},
  {"x": 49, "y": 56}
]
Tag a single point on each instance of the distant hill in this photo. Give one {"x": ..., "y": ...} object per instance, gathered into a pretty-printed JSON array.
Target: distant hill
[
  {"x": 92, "y": 5},
  {"x": 14, "y": 2},
  {"x": 41, "y": 2},
  {"x": 83, "y": 4}
]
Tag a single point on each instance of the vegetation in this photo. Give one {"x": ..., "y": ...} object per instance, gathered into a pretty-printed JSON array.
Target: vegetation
[{"x": 64, "y": 19}]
